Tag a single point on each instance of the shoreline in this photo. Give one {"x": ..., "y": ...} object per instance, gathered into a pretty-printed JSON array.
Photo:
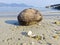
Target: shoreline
[{"x": 44, "y": 13}]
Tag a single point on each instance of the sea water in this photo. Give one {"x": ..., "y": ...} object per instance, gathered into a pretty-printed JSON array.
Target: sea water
[{"x": 14, "y": 11}]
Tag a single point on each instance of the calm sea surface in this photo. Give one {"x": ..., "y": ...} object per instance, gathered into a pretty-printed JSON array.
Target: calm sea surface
[{"x": 14, "y": 11}]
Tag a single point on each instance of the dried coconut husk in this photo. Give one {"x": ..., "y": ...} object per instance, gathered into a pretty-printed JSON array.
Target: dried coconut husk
[{"x": 29, "y": 16}]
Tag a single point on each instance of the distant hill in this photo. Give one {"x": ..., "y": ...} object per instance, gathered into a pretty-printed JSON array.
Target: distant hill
[{"x": 14, "y": 5}]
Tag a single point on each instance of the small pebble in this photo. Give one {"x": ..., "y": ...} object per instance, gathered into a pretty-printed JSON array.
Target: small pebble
[
  {"x": 57, "y": 22},
  {"x": 49, "y": 43},
  {"x": 55, "y": 36},
  {"x": 58, "y": 32},
  {"x": 23, "y": 43},
  {"x": 38, "y": 37},
  {"x": 3, "y": 40},
  {"x": 43, "y": 36},
  {"x": 9, "y": 39},
  {"x": 40, "y": 42},
  {"x": 18, "y": 38}
]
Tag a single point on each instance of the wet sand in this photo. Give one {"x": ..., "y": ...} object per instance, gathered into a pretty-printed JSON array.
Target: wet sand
[{"x": 13, "y": 34}]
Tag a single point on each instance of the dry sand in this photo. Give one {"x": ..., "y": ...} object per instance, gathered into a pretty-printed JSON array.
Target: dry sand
[{"x": 13, "y": 34}]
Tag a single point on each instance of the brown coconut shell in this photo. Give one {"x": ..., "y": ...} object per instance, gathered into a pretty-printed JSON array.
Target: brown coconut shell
[{"x": 29, "y": 16}]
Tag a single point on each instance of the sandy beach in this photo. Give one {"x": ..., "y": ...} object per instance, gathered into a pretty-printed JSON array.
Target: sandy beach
[{"x": 13, "y": 34}]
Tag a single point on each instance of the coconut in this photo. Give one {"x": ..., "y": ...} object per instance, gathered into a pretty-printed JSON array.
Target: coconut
[{"x": 29, "y": 16}]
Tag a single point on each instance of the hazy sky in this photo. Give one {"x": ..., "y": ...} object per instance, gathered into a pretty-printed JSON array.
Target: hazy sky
[{"x": 33, "y": 2}]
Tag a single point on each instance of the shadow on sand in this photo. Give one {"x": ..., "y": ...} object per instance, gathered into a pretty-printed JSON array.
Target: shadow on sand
[{"x": 13, "y": 22}]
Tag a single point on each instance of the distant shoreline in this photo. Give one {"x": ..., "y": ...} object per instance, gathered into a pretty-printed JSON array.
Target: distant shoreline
[{"x": 16, "y": 15}]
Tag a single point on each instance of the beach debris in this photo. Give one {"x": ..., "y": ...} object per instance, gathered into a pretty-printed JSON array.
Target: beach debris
[
  {"x": 9, "y": 39},
  {"x": 49, "y": 43},
  {"x": 18, "y": 38},
  {"x": 30, "y": 34},
  {"x": 57, "y": 22},
  {"x": 23, "y": 43},
  {"x": 55, "y": 36},
  {"x": 43, "y": 37},
  {"x": 29, "y": 16},
  {"x": 37, "y": 37},
  {"x": 58, "y": 32},
  {"x": 57, "y": 29}
]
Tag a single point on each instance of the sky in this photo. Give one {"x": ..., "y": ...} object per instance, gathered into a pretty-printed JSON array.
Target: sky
[{"x": 37, "y": 3}]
